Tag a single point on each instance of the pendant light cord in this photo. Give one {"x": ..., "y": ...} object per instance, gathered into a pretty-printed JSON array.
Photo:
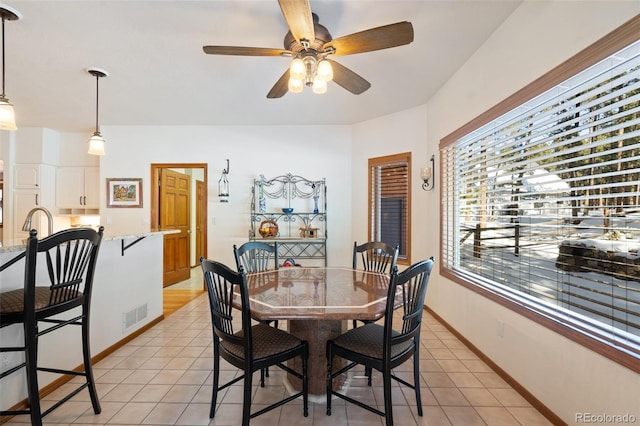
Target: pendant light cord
[
  {"x": 97, "y": 103},
  {"x": 3, "y": 73}
]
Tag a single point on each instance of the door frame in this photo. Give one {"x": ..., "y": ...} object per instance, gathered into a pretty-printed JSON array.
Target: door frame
[{"x": 155, "y": 194}]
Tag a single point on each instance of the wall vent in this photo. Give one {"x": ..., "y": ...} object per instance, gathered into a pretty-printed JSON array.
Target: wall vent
[
  {"x": 134, "y": 316},
  {"x": 141, "y": 312}
]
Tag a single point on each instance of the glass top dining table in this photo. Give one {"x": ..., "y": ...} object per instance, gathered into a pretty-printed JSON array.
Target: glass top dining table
[
  {"x": 317, "y": 303},
  {"x": 320, "y": 293}
]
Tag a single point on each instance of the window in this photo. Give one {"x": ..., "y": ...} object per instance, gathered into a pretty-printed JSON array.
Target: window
[
  {"x": 390, "y": 202},
  {"x": 541, "y": 201}
]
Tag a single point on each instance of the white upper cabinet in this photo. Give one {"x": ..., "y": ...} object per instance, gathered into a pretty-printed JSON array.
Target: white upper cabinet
[
  {"x": 34, "y": 187},
  {"x": 37, "y": 146},
  {"x": 78, "y": 190},
  {"x": 26, "y": 176}
]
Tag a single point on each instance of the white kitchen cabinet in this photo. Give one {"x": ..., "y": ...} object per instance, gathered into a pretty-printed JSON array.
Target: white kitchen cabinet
[
  {"x": 78, "y": 190},
  {"x": 37, "y": 146},
  {"x": 36, "y": 189},
  {"x": 27, "y": 176}
]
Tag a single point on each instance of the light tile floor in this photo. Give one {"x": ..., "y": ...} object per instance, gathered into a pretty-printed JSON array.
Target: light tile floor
[{"x": 164, "y": 377}]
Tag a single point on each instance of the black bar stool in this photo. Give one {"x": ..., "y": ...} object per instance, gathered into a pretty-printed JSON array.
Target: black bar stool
[{"x": 63, "y": 283}]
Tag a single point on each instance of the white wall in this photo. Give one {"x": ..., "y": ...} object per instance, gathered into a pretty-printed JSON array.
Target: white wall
[
  {"x": 311, "y": 151},
  {"x": 565, "y": 376}
]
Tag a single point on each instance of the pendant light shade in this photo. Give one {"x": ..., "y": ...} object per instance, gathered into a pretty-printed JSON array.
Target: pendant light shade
[
  {"x": 7, "y": 114},
  {"x": 96, "y": 142}
]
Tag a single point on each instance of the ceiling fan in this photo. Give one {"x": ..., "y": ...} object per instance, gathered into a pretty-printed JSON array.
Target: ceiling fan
[{"x": 310, "y": 44}]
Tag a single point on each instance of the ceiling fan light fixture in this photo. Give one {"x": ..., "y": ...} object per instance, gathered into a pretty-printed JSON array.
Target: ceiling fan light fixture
[
  {"x": 297, "y": 69},
  {"x": 324, "y": 71},
  {"x": 295, "y": 85},
  {"x": 310, "y": 62},
  {"x": 319, "y": 86}
]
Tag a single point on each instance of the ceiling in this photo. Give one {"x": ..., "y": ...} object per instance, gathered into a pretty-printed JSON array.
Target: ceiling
[{"x": 159, "y": 75}]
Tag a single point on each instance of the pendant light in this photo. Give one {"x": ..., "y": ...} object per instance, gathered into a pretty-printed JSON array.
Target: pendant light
[
  {"x": 96, "y": 142},
  {"x": 7, "y": 114}
]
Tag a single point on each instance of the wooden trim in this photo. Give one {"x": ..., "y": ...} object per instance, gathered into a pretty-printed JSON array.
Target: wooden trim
[
  {"x": 155, "y": 194},
  {"x": 381, "y": 161},
  {"x": 535, "y": 402}
]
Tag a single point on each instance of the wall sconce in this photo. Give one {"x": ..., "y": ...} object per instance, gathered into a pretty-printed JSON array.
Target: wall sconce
[
  {"x": 223, "y": 185},
  {"x": 426, "y": 174}
]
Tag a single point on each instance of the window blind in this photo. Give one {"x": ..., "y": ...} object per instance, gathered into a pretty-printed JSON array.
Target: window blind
[
  {"x": 543, "y": 203},
  {"x": 390, "y": 202}
]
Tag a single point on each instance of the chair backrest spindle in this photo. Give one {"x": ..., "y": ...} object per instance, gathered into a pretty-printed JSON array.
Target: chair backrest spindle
[
  {"x": 256, "y": 256},
  {"x": 375, "y": 256}
]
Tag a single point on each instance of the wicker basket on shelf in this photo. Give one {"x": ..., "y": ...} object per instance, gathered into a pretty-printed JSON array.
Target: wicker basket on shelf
[{"x": 268, "y": 229}]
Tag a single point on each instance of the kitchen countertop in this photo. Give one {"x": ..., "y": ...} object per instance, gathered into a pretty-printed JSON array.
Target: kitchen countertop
[{"x": 18, "y": 245}]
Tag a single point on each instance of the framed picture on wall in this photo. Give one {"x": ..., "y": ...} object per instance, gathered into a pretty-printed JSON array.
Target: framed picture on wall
[{"x": 124, "y": 192}]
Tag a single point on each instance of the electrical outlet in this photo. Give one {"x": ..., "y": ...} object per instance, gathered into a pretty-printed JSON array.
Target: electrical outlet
[{"x": 500, "y": 329}]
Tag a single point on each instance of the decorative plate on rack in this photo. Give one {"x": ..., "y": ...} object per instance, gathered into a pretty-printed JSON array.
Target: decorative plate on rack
[{"x": 268, "y": 229}]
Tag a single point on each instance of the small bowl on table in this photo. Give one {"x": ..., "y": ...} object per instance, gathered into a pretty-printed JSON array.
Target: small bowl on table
[{"x": 287, "y": 210}]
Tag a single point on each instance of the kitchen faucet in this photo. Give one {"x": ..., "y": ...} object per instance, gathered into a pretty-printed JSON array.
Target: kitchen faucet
[{"x": 27, "y": 223}]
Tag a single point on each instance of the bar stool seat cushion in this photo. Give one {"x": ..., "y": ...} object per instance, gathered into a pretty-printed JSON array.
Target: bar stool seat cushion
[{"x": 12, "y": 303}]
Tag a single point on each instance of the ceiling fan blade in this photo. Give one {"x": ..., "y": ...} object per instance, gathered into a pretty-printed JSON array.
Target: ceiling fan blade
[
  {"x": 245, "y": 51},
  {"x": 298, "y": 15},
  {"x": 281, "y": 87},
  {"x": 391, "y": 35},
  {"x": 348, "y": 79}
]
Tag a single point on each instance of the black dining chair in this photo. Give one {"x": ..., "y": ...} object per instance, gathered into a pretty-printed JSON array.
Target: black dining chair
[
  {"x": 375, "y": 256},
  {"x": 256, "y": 256},
  {"x": 63, "y": 283},
  {"x": 385, "y": 347},
  {"x": 249, "y": 347}
]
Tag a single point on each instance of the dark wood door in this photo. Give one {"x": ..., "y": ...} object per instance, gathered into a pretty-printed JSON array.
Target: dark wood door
[
  {"x": 175, "y": 207},
  {"x": 200, "y": 220}
]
